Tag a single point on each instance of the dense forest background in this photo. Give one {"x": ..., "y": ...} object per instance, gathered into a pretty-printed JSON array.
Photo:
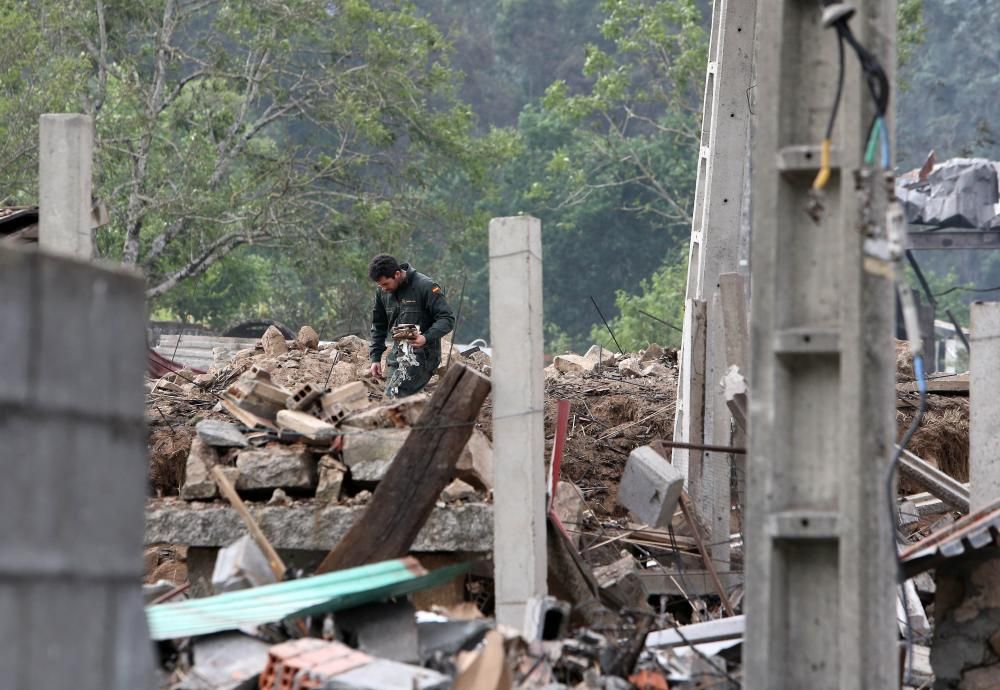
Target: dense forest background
[{"x": 255, "y": 154}]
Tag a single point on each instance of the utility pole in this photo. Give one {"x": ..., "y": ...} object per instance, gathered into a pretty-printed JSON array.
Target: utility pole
[
  {"x": 821, "y": 561},
  {"x": 702, "y": 415}
]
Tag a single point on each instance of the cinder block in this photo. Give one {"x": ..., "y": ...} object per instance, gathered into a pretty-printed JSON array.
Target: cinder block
[{"x": 650, "y": 487}]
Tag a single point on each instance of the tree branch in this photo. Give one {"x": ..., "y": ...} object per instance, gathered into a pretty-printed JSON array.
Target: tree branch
[{"x": 215, "y": 251}]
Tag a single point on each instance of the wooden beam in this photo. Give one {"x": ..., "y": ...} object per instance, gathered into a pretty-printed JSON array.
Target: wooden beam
[
  {"x": 227, "y": 490},
  {"x": 421, "y": 470}
]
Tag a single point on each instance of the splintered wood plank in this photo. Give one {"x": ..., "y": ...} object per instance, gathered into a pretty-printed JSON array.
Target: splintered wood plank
[{"x": 423, "y": 467}]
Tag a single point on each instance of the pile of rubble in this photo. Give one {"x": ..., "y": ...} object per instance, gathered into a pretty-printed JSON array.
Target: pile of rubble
[{"x": 289, "y": 422}]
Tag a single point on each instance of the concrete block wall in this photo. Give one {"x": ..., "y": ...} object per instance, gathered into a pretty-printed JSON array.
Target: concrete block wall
[{"x": 72, "y": 356}]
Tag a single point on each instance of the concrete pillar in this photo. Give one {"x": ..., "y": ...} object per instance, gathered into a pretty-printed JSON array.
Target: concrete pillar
[
  {"x": 73, "y": 458},
  {"x": 984, "y": 405},
  {"x": 65, "y": 152},
  {"x": 715, "y": 248},
  {"x": 519, "y": 553},
  {"x": 820, "y": 558}
]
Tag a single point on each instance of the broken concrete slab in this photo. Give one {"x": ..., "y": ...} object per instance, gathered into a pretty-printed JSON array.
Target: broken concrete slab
[
  {"x": 220, "y": 434},
  {"x": 369, "y": 454},
  {"x": 331, "y": 479},
  {"x": 276, "y": 467},
  {"x": 198, "y": 482},
  {"x": 309, "y": 525},
  {"x": 241, "y": 565},
  {"x": 304, "y": 423},
  {"x": 650, "y": 487},
  {"x": 399, "y": 413}
]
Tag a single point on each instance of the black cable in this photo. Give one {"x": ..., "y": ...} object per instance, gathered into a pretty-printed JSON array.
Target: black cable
[
  {"x": 620, "y": 350},
  {"x": 962, "y": 288},
  {"x": 921, "y": 278},
  {"x": 840, "y": 85}
]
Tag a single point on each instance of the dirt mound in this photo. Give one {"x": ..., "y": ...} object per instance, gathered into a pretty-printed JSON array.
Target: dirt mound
[{"x": 942, "y": 438}]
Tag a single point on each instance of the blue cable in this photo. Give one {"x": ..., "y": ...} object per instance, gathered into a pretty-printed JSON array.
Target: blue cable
[{"x": 884, "y": 137}]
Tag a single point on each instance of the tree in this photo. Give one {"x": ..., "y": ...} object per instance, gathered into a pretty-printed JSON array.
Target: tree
[
  {"x": 314, "y": 128},
  {"x": 951, "y": 78}
]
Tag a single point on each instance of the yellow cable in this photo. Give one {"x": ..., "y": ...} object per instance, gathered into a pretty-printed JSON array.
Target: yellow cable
[{"x": 824, "y": 166}]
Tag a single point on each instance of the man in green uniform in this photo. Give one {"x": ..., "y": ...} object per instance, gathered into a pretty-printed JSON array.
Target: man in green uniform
[{"x": 405, "y": 296}]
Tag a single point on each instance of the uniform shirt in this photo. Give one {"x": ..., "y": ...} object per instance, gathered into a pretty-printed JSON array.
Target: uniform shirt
[{"x": 417, "y": 300}]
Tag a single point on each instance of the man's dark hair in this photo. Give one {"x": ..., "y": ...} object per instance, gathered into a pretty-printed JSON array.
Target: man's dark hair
[{"x": 383, "y": 266}]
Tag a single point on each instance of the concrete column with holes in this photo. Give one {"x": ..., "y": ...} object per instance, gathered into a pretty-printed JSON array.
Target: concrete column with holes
[
  {"x": 714, "y": 250},
  {"x": 65, "y": 154},
  {"x": 74, "y": 463},
  {"x": 984, "y": 406},
  {"x": 821, "y": 570},
  {"x": 519, "y": 550}
]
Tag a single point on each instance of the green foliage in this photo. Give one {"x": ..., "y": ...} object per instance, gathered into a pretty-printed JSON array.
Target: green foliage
[
  {"x": 662, "y": 295},
  {"x": 911, "y": 30},
  {"x": 947, "y": 291},
  {"x": 318, "y": 130},
  {"x": 949, "y": 105}
]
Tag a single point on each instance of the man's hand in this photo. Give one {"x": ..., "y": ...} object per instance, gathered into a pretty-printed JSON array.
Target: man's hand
[
  {"x": 419, "y": 341},
  {"x": 376, "y": 370}
]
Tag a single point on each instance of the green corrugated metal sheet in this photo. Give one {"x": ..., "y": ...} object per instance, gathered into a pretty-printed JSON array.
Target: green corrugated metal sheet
[{"x": 311, "y": 595}]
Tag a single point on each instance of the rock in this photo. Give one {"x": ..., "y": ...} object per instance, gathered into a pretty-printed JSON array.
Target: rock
[
  {"x": 630, "y": 367},
  {"x": 276, "y": 466},
  {"x": 198, "y": 482},
  {"x": 475, "y": 465},
  {"x": 273, "y": 342},
  {"x": 651, "y": 353},
  {"x": 655, "y": 369},
  {"x": 459, "y": 491},
  {"x": 369, "y": 454},
  {"x": 220, "y": 434},
  {"x": 279, "y": 498},
  {"x": 307, "y": 339},
  {"x": 573, "y": 364},
  {"x": 600, "y": 355},
  {"x": 331, "y": 479},
  {"x": 551, "y": 372},
  {"x": 352, "y": 343}
]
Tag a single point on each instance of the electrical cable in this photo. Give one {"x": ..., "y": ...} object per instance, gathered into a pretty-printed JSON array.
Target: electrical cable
[
  {"x": 963, "y": 288},
  {"x": 918, "y": 370},
  {"x": 823, "y": 176},
  {"x": 836, "y": 15}
]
